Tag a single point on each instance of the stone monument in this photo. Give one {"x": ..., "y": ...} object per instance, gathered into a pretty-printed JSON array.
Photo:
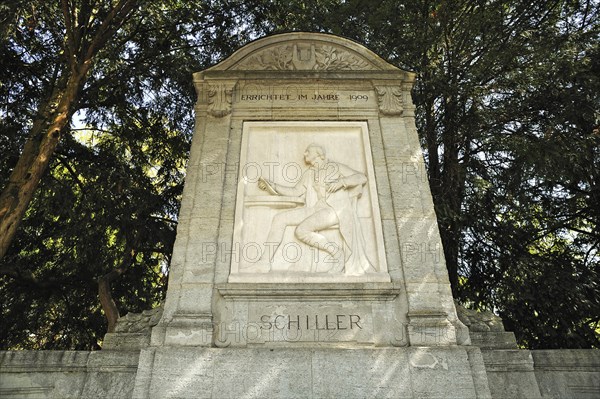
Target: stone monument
[
  {"x": 306, "y": 199},
  {"x": 307, "y": 238},
  {"x": 308, "y": 262}
]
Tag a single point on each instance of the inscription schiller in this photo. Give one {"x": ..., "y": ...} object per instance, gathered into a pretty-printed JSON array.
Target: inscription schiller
[{"x": 311, "y": 322}]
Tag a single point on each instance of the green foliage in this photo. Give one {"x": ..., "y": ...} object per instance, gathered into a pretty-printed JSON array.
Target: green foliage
[
  {"x": 535, "y": 192},
  {"x": 111, "y": 196},
  {"x": 507, "y": 110}
]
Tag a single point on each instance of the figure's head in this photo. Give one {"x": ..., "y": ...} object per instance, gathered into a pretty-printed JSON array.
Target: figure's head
[{"x": 313, "y": 154}]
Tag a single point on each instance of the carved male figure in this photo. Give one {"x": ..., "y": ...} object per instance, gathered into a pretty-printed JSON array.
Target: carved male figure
[{"x": 330, "y": 190}]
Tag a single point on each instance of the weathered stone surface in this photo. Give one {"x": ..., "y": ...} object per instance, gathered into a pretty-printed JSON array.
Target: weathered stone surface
[
  {"x": 67, "y": 374},
  {"x": 308, "y": 373},
  {"x": 479, "y": 321},
  {"x": 270, "y": 119},
  {"x": 485, "y": 329},
  {"x": 133, "y": 330},
  {"x": 324, "y": 315},
  {"x": 494, "y": 340},
  {"x": 139, "y": 322},
  {"x": 510, "y": 374},
  {"x": 126, "y": 341},
  {"x": 563, "y": 374}
]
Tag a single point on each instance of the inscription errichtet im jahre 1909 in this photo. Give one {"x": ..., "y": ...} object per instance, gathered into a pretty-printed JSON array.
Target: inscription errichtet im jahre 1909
[{"x": 302, "y": 97}]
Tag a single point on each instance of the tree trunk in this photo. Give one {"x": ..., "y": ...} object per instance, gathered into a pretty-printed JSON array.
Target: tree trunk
[
  {"x": 111, "y": 311},
  {"x": 56, "y": 113},
  {"x": 37, "y": 152},
  {"x": 451, "y": 190},
  {"x": 106, "y": 300}
]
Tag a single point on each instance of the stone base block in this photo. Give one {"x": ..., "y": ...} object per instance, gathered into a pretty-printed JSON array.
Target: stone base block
[
  {"x": 67, "y": 374},
  {"x": 511, "y": 374},
  {"x": 126, "y": 341},
  {"x": 430, "y": 329},
  {"x": 184, "y": 330},
  {"x": 311, "y": 373},
  {"x": 322, "y": 315},
  {"x": 568, "y": 373},
  {"x": 494, "y": 340}
]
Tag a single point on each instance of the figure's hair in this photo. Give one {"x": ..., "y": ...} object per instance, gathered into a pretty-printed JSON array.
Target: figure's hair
[{"x": 320, "y": 150}]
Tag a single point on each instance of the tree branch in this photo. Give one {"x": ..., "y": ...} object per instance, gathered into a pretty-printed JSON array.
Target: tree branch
[
  {"x": 28, "y": 278},
  {"x": 70, "y": 38},
  {"x": 71, "y": 171},
  {"x": 114, "y": 20}
]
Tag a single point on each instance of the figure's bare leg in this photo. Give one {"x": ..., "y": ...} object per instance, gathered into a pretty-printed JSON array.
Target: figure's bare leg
[
  {"x": 278, "y": 225},
  {"x": 307, "y": 233}
]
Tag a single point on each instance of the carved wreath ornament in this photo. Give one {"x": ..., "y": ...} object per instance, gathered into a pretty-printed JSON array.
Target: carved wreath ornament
[{"x": 288, "y": 57}]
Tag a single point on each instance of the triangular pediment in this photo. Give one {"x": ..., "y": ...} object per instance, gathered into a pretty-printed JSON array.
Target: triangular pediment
[{"x": 304, "y": 52}]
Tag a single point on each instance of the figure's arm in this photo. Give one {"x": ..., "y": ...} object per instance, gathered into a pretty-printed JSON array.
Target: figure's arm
[
  {"x": 280, "y": 189},
  {"x": 351, "y": 177},
  {"x": 295, "y": 191}
]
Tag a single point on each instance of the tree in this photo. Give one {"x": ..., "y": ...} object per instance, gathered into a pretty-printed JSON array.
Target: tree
[
  {"x": 505, "y": 97},
  {"x": 87, "y": 29},
  {"x": 106, "y": 207},
  {"x": 536, "y": 192}
]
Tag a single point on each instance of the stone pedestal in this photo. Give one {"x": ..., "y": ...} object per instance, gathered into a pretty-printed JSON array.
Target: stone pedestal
[{"x": 311, "y": 373}]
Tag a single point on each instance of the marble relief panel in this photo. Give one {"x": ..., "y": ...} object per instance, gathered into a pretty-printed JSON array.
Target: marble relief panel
[{"x": 307, "y": 208}]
